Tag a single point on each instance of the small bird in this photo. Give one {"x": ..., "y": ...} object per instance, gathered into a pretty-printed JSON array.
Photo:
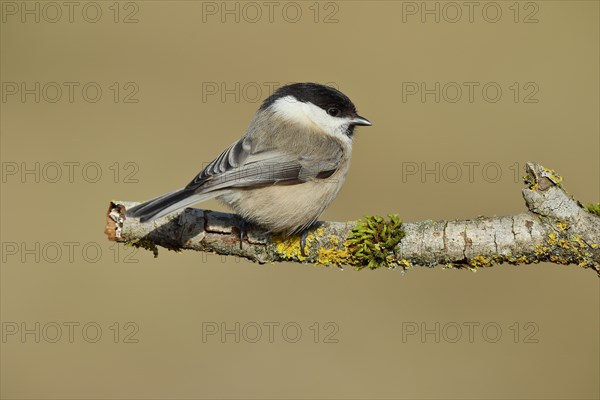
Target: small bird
[{"x": 285, "y": 170}]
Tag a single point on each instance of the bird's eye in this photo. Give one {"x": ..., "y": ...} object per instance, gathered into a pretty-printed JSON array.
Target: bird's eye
[{"x": 334, "y": 112}]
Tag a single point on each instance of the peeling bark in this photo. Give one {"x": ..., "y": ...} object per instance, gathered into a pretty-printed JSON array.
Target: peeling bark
[{"x": 556, "y": 229}]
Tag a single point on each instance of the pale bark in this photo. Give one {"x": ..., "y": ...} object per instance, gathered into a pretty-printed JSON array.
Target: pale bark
[{"x": 555, "y": 228}]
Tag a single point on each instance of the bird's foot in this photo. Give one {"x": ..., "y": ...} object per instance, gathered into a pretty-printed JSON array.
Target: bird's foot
[
  {"x": 303, "y": 237},
  {"x": 242, "y": 227}
]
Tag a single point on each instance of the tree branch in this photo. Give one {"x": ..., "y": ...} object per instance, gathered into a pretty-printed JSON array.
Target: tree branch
[{"x": 556, "y": 229}]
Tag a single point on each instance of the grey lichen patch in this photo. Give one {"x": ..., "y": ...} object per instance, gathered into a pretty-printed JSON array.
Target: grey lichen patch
[{"x": 373, "y": 242}]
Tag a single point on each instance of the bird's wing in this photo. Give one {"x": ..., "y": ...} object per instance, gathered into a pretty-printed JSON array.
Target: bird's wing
[{"x": 243, "y": 166}]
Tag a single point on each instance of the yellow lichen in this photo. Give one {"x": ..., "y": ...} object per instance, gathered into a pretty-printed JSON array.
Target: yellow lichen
[
  {"x": 522, "y": 260},
  {"x": 481, "y": 262},
  {"x": 332, "y": 256},
  {"x": 559, "y": 260},
  {"x": 334, "y": 240},
  {"x": 290, "y": 248},
  {"x": 553, "y": 176},
  {"x": 541, "y": 250},
  {"x": 564, "y": 244},
  {"x": 579, "y": 240}
]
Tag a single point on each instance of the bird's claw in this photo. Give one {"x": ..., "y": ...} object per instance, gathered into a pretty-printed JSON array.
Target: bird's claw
[
  {"x": 303, "y": 237},
  {"x": 242, "y": 227}
]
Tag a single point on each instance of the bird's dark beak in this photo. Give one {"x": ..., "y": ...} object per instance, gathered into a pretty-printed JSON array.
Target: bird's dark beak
[{"x": 358, "y": 120}]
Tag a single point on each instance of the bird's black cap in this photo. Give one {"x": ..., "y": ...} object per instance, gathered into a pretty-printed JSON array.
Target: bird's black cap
[{"x": 325, "y": 97}]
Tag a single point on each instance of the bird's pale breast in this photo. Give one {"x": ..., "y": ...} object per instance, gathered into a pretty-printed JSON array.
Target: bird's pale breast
[{"x": 286, "y": 208}]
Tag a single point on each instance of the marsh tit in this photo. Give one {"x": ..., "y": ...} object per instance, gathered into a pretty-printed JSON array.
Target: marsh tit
[{"x": 285, "y": 170}]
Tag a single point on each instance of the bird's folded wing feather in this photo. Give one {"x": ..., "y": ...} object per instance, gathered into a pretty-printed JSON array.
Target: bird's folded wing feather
[{"x": 242, "y": 166}]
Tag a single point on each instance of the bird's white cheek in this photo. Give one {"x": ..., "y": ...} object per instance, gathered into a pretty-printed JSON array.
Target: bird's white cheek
[
  {"x": 310, "y": 115},
  {"x": 331, "y": 125},
  {"x": 291, "y": 109}
]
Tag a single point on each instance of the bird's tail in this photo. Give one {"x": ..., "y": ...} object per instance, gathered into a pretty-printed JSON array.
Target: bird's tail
[{"x": 166, "y": 204}]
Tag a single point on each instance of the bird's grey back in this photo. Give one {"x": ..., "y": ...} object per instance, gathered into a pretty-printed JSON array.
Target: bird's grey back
[{"x": 257, "y": 159}]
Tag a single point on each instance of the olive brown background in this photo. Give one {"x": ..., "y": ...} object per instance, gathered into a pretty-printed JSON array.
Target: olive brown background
[{"x": 179, "y": 81}]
